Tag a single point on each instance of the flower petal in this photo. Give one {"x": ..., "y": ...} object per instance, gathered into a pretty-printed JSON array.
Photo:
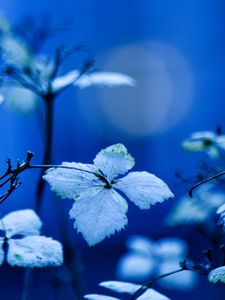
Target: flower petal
[
  {"x": 114, "y": 160},
  {"x": 24, "y": 222},
  {"x": 170, "y": 248},
  {"x": 151, "y": 294},
  {"x": 217, "y": 275},
  {"x": 120, "y": 286},
  {"x": 21, "y": 100},
  {"x": 136, "y": 267},
  {"x": 69, "y": 182},
  {"x": 141, "y": 245},
  {"x": 104, "y": 79},
  {"x": 131, "y": 288},
  {"x": 34, "y": 251},
  {"x": 99, "y": 297},
  {"x": 185, "y": 280},
  {"x": 98, "y": 213},
  {"x": 143, "y": 188},
  {"x": 197, "y": 210},
  {"x": 64, "y": 81}
]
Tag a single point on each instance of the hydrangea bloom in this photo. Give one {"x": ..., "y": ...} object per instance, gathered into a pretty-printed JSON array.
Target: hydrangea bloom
[
  {"x": 26, "y": 248},
  {"x": 205, "y": 141},
  {"x": 148, "y": 259},
  {"x": 196, "y": 210},
  {"x": 126, "y": 287},
  {"x": 217, "y": 275},
  {"x": 99, "y": 209}
]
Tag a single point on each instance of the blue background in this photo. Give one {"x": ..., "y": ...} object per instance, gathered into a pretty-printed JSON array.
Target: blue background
[{"x": 175, "y": 49}]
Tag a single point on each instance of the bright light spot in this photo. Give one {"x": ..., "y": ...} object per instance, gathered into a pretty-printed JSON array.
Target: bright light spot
[{"x": 159, "y": 101}]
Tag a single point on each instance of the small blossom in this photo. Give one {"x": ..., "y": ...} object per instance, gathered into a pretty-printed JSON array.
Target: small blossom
[
  {"x": 217, "y": 275},
  {"x": 99, "y": 209},
  {"x": 161, "y": 257},
  {"x": 31, "y": 250},
  {"x": 196, "y": 210},
  {"x": 211, "y": 143}
]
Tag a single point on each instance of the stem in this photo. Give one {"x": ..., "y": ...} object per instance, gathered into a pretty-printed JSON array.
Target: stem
[
  {"x": 204, "y": 181},
  {"x": 49, "y": 105},
  {"x": 48, "y": 101},
  {"x": 27, "y": 283},
  {"x": 151, "y": 282}
]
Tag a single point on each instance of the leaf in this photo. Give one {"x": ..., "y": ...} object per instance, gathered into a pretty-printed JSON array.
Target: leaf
[
  {"x": 104, "y": 79},
  {"x": 114, "y": 160},
  {"x": 98, "y": 213},
  {"x": 34, "y": 251},
  {"x": 24, "y": 222},
  {"x": 144, "y": 189}
]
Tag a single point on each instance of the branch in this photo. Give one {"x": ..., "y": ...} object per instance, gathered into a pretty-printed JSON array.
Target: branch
[{"x": 204, "y": 181}]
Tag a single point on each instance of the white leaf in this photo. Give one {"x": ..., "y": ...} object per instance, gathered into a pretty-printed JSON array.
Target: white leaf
[
  {"x": 2, "y": 255},
  {"x": 120, "y": 286},
  {"x": 114, "y": 160},
  {"x": 144, "y": 189},
  {"x": 99, "y": 297},
  {"x": 24, "y": 222},
  {"x": 151, "y": 294},
  {"x": 104, "y": 79},
  {"x": 136, "y": 267},
  {"x": 69, "y": 183},
  {"x": 64, "y": 81},
  {"x": 98, "y": 213},
  {"x": 34, "y": 251}
]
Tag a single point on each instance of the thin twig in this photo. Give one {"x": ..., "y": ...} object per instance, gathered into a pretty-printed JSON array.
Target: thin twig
[{"x": 204, "y": 181}]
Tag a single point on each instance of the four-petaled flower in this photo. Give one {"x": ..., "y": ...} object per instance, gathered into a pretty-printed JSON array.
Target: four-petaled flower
[
  {"x": 25, "y": 246},
  {"x": 99, "y": 209}
]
